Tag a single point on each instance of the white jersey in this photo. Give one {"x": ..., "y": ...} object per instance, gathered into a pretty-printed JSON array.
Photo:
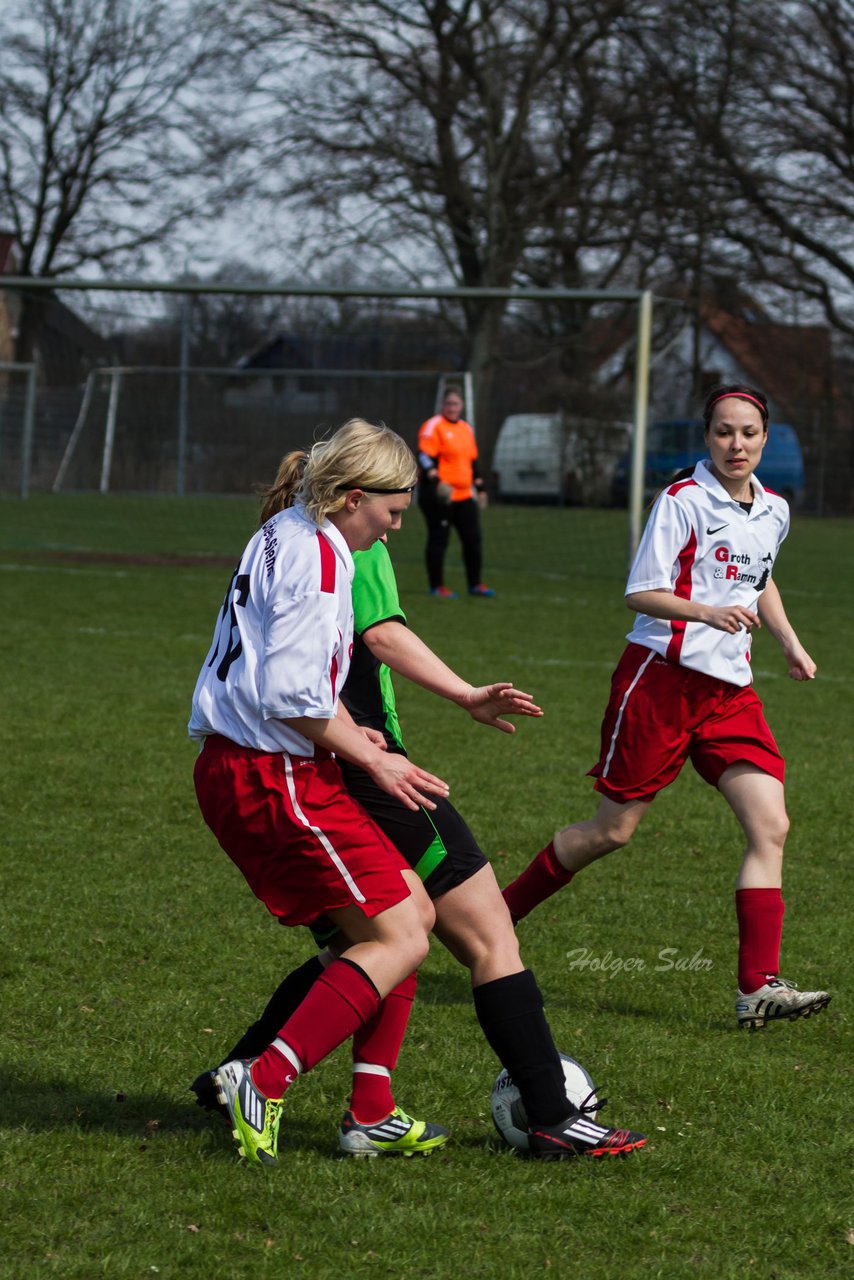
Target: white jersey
[
  {"x": 702, "y": 545},
  {"x": 283, "y": 638}
]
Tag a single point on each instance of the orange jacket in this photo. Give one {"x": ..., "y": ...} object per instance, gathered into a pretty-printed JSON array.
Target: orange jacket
[{"x": 453, "y": 446}]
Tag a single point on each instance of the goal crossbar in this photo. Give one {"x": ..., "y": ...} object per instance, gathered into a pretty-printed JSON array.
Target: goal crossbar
[{"x": 642, "y": 298}]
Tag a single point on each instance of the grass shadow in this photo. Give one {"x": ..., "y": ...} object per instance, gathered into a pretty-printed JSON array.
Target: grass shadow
[
  {"x": 146, "y": 1118},
  {"x": 57, "y": 1103},
  {"x": 587, "y": 1005}
]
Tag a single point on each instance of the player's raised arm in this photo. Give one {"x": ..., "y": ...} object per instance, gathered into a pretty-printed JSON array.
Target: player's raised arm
[{"x": 400, "y": 649}]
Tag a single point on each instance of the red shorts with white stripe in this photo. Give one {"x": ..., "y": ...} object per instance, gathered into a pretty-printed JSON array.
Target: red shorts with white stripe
[
  {"x": 659, "y": 715},
  {"x": 303, "y": 843}
]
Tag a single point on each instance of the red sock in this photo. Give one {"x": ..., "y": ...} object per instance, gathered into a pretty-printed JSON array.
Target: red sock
[
  {"x": 760, "y": 928},
  {"x": 341, "y": 1000},
  {"x": 542, "y": 877},
  {"x": 376, "y": 1047}
]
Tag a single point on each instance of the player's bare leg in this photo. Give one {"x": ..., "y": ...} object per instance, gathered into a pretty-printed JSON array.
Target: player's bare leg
[
  {"x": 610, "y": 828},
  {"x": 473, "y": 922},
  {"x": 758, "y": 801},
  {"x": 391, "y": 945},
  {"x": 572, "y": 849}
]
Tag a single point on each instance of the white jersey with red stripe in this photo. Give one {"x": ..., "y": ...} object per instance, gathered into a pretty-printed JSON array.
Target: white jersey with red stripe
[
  {"x": 702, "y": 545},
  {"x": 283, "y": 638}
]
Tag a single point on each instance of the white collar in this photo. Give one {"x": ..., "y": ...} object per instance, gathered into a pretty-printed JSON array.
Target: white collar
[{"x": 705, "y": 477}]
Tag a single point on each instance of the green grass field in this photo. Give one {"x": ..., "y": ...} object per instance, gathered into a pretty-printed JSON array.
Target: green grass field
[{"x": 133, "y": 952}]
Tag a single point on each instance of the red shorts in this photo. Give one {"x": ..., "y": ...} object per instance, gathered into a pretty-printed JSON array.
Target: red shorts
[
  {"x": 660, "y": 714},
  {"x": 303, "y": 843}
]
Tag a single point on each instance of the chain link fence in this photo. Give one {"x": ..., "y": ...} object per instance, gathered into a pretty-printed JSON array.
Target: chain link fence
[{"x": 152, "y": 392}]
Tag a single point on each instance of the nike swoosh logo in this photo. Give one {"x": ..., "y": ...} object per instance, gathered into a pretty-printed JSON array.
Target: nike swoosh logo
[{"x": 720, "y": 526}]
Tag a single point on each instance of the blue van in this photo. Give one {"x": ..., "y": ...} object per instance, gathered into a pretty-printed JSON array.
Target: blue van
[{"x": 677, "y": 443}]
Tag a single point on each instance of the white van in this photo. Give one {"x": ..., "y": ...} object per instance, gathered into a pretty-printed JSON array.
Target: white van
[{"x": 547, "y": 457}]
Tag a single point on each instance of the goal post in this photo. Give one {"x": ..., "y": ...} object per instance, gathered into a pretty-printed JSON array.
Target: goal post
[
  {"x": 28, "y": 416},
  {"x": 643, "y": 351},
  {"x": 641, "y": 299}
]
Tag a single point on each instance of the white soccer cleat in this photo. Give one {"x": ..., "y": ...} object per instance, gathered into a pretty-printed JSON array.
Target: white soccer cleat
[
  {"x": 397, "y": 1135},
  {"x": 777, "y": 1001}
]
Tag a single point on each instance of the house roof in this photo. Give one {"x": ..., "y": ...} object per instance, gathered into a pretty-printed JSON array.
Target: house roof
[
  {"x": 395, "y": 346},
  {"x": 790, "y": 362}
]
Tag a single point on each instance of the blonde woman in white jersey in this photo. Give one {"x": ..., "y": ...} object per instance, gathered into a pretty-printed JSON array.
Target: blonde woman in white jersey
[
  {"x": 700, "y": 583},
  {"x": 267, "y": 713}
]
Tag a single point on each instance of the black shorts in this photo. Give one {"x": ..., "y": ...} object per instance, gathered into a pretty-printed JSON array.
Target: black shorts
[{"x": 436, "y": 843}]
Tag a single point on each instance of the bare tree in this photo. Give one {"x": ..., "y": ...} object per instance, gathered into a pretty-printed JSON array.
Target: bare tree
[
  {"x": 454, "y": 136},
  {"x": 766, "y": 94},
  {"x": 107, "y": 144}
]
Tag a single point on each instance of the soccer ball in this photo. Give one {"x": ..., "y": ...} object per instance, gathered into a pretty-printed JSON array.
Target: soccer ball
[{"x": 509, "y": 1114}]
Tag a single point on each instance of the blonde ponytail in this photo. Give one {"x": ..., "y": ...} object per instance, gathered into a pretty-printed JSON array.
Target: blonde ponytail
[{"x": 282, "y": 491}]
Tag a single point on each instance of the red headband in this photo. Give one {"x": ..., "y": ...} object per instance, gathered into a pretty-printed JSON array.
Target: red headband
[{"x": 742, "y": 395}]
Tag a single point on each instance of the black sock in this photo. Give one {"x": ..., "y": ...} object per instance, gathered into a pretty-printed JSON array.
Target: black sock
[
  {"x": 510, "y": 1012},
  {"x": 287, "y": 997}
]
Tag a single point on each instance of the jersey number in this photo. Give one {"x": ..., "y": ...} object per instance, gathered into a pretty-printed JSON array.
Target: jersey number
[{"x": 237, "y": 594}]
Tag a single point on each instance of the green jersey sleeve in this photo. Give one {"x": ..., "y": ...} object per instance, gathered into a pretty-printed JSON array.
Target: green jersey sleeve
[{"x": 375, "y": 597}]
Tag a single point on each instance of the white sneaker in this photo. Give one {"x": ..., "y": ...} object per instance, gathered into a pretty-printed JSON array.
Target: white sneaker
[
  {"x": 397, "y": 1135},
  {"x": 777, "y": 1000}
]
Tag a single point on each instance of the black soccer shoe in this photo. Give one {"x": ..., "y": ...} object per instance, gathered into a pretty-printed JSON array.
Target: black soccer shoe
[
  {"x": 204, "y": 1087},
  {"x": 578, "y": 1135}
]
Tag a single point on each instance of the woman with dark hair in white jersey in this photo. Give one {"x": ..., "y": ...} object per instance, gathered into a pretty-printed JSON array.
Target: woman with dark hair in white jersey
[{"x": 683, "y": 690}]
